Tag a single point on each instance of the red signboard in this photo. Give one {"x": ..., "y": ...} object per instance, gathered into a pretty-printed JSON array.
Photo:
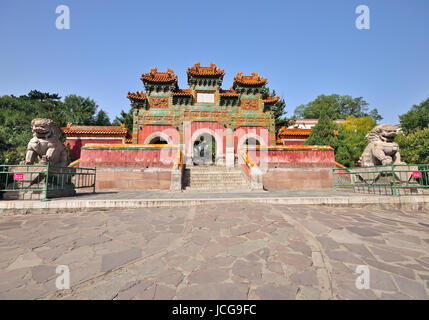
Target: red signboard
[
  {"x": 18, "y": 176},
  {"x": 417, "y": 174}
]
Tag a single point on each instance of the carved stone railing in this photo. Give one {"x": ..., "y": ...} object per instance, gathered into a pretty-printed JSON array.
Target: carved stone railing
[
  {"x": 252, "y": 172},
  {"x": 177, "y": 172}
]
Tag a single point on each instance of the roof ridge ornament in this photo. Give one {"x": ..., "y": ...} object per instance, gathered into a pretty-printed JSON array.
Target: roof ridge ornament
[
  {"x": 155, "y": 76},
  {"x": 253, "y": 79},
  {"x": 212, "y": 70}
]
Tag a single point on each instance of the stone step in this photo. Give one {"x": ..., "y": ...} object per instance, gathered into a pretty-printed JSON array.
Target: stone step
[
  {"x": 227, "y": 182},
  {"x": 192, "y": 189},
  {"x": 217, "y": 184},
  {"x": 216, "y": 176},
  {"x": 208, "y": 183},
  {"x": 215, "y": 173},
  {"x": 215, "y": 170},
  {"x": 215, "y": 179}
]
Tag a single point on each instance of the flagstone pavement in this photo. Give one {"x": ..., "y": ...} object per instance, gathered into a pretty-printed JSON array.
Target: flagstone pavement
[{"x": 223, "y": 251}]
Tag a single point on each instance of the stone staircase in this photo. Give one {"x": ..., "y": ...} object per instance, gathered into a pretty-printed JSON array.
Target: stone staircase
[{"x": 214, "y": 179}]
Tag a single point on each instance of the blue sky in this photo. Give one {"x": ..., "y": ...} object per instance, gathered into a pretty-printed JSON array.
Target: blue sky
[{"x": 304, "y": 48}]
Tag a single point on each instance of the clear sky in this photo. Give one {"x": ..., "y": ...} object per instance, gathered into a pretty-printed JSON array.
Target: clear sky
[{"x": 304, "y": 48}]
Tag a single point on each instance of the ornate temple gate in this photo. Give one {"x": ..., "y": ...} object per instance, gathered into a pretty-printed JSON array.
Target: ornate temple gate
[{"x": 180, "y": 116}]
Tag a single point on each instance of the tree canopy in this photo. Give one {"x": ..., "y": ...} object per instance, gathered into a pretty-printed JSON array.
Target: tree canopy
[
  {"x": 279, "y": 111},
  {"x": 17, "y": 112},
  {"x": 83, "y": 111},
  {"x": 324, "y": 132},
  {"x": 126, "y": 118},
  {"x": 414, "y": 147},
  {"x": 336, "y": 107},
  {"x": 352, "y": 139},
  {"x": 416, "y": 118}
]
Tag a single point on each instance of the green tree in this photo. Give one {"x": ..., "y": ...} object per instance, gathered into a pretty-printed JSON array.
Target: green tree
[
  {"x": 363, "y": 124},
  {"x": 102, "y": 119},
  {"x": 352, "y": 139},
  {"x": 83, "y": 111},
  {"x": 336, "y": 107},
  {"x": 125, "y": 118},
  {"x": 279, "y": 111},
  {"x": 415, "y": 119},
  {"x": 324, "y": 132},
  {"x": 17, "y": 112},
  {"x": 414, "y": 147}
]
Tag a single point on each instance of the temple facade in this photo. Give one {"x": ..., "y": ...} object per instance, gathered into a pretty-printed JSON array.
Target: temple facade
[
  {"x": 177, "y": 131},
  {"x": 232, "y": 118}
]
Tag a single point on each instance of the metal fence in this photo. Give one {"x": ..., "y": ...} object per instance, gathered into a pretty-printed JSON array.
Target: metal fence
[
  {"x": 45, "y": 179},
  {"x": 394, "y": 179}
]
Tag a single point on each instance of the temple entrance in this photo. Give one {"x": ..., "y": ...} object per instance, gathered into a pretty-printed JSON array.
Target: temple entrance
[
  {"x": 251, "y": 141},
  {"x": 158, "y": 140},
  {"x": 204, "y": 150}
]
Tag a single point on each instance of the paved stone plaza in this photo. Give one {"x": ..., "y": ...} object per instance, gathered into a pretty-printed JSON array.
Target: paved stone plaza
[{"x": 222, "y": 251}]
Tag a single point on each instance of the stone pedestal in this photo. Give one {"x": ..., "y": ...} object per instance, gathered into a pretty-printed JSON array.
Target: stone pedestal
[{"x": 34, "y": 177}]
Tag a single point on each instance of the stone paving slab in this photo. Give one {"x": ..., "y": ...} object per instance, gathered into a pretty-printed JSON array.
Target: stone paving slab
[{"x": 217, "y": 251}]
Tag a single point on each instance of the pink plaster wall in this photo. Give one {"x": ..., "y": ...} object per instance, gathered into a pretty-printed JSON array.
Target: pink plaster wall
[
  {"x": 263, "y": 133},
  {"x": 146, "y": 131},
  {"x": 77, "y": 144},
  {"x": 217, "y": 128},
  {"x": 295, "y": 158},
  {"x": 127, "y": 158}
]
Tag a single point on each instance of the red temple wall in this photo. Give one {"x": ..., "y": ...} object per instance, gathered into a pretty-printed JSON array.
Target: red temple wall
[
  {"x": 296, "y": 169},
  {"x": 261, "y": 132},
  {"x": 295, "y": 158},
  {"x": 77, "y": 144},
  {"x": 293, "y": 142},
  {"x": 218, "y": 129},
  {"x": 145, "y": 179},
  {"x": 297, "y": 178},
  {"x": 149, "y": 130},
  {"x": 127, "y": 158},
  {"x": 130, "y": 168}
]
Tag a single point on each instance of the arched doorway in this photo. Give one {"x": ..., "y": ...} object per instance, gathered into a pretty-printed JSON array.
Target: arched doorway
[
  {"x": 158, "y": 138},
  {"x": 204, "y": 149},
  {"x": 249, "y": 140},
  {"x": 212, "y": 137},
  {"x": 252, "y": 142}
]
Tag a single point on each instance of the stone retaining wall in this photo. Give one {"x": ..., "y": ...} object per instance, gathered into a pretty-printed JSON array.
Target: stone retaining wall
[
  {"x": 298, "y": 178},
  {"x": 133, "y": 179}
]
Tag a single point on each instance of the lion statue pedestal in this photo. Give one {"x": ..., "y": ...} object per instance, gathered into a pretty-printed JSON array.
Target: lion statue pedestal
[{"x": 45, "y": 147}]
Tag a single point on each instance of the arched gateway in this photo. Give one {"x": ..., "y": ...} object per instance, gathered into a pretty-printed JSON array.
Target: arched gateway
[
  {"x": 228, "y": 118},
  {"x": 204, "y": 125}
]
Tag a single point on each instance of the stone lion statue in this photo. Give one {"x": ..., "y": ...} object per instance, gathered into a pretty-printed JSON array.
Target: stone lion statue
[
  {"x": 45, "y": 144},
  {"x": 381, "y": 150}
]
